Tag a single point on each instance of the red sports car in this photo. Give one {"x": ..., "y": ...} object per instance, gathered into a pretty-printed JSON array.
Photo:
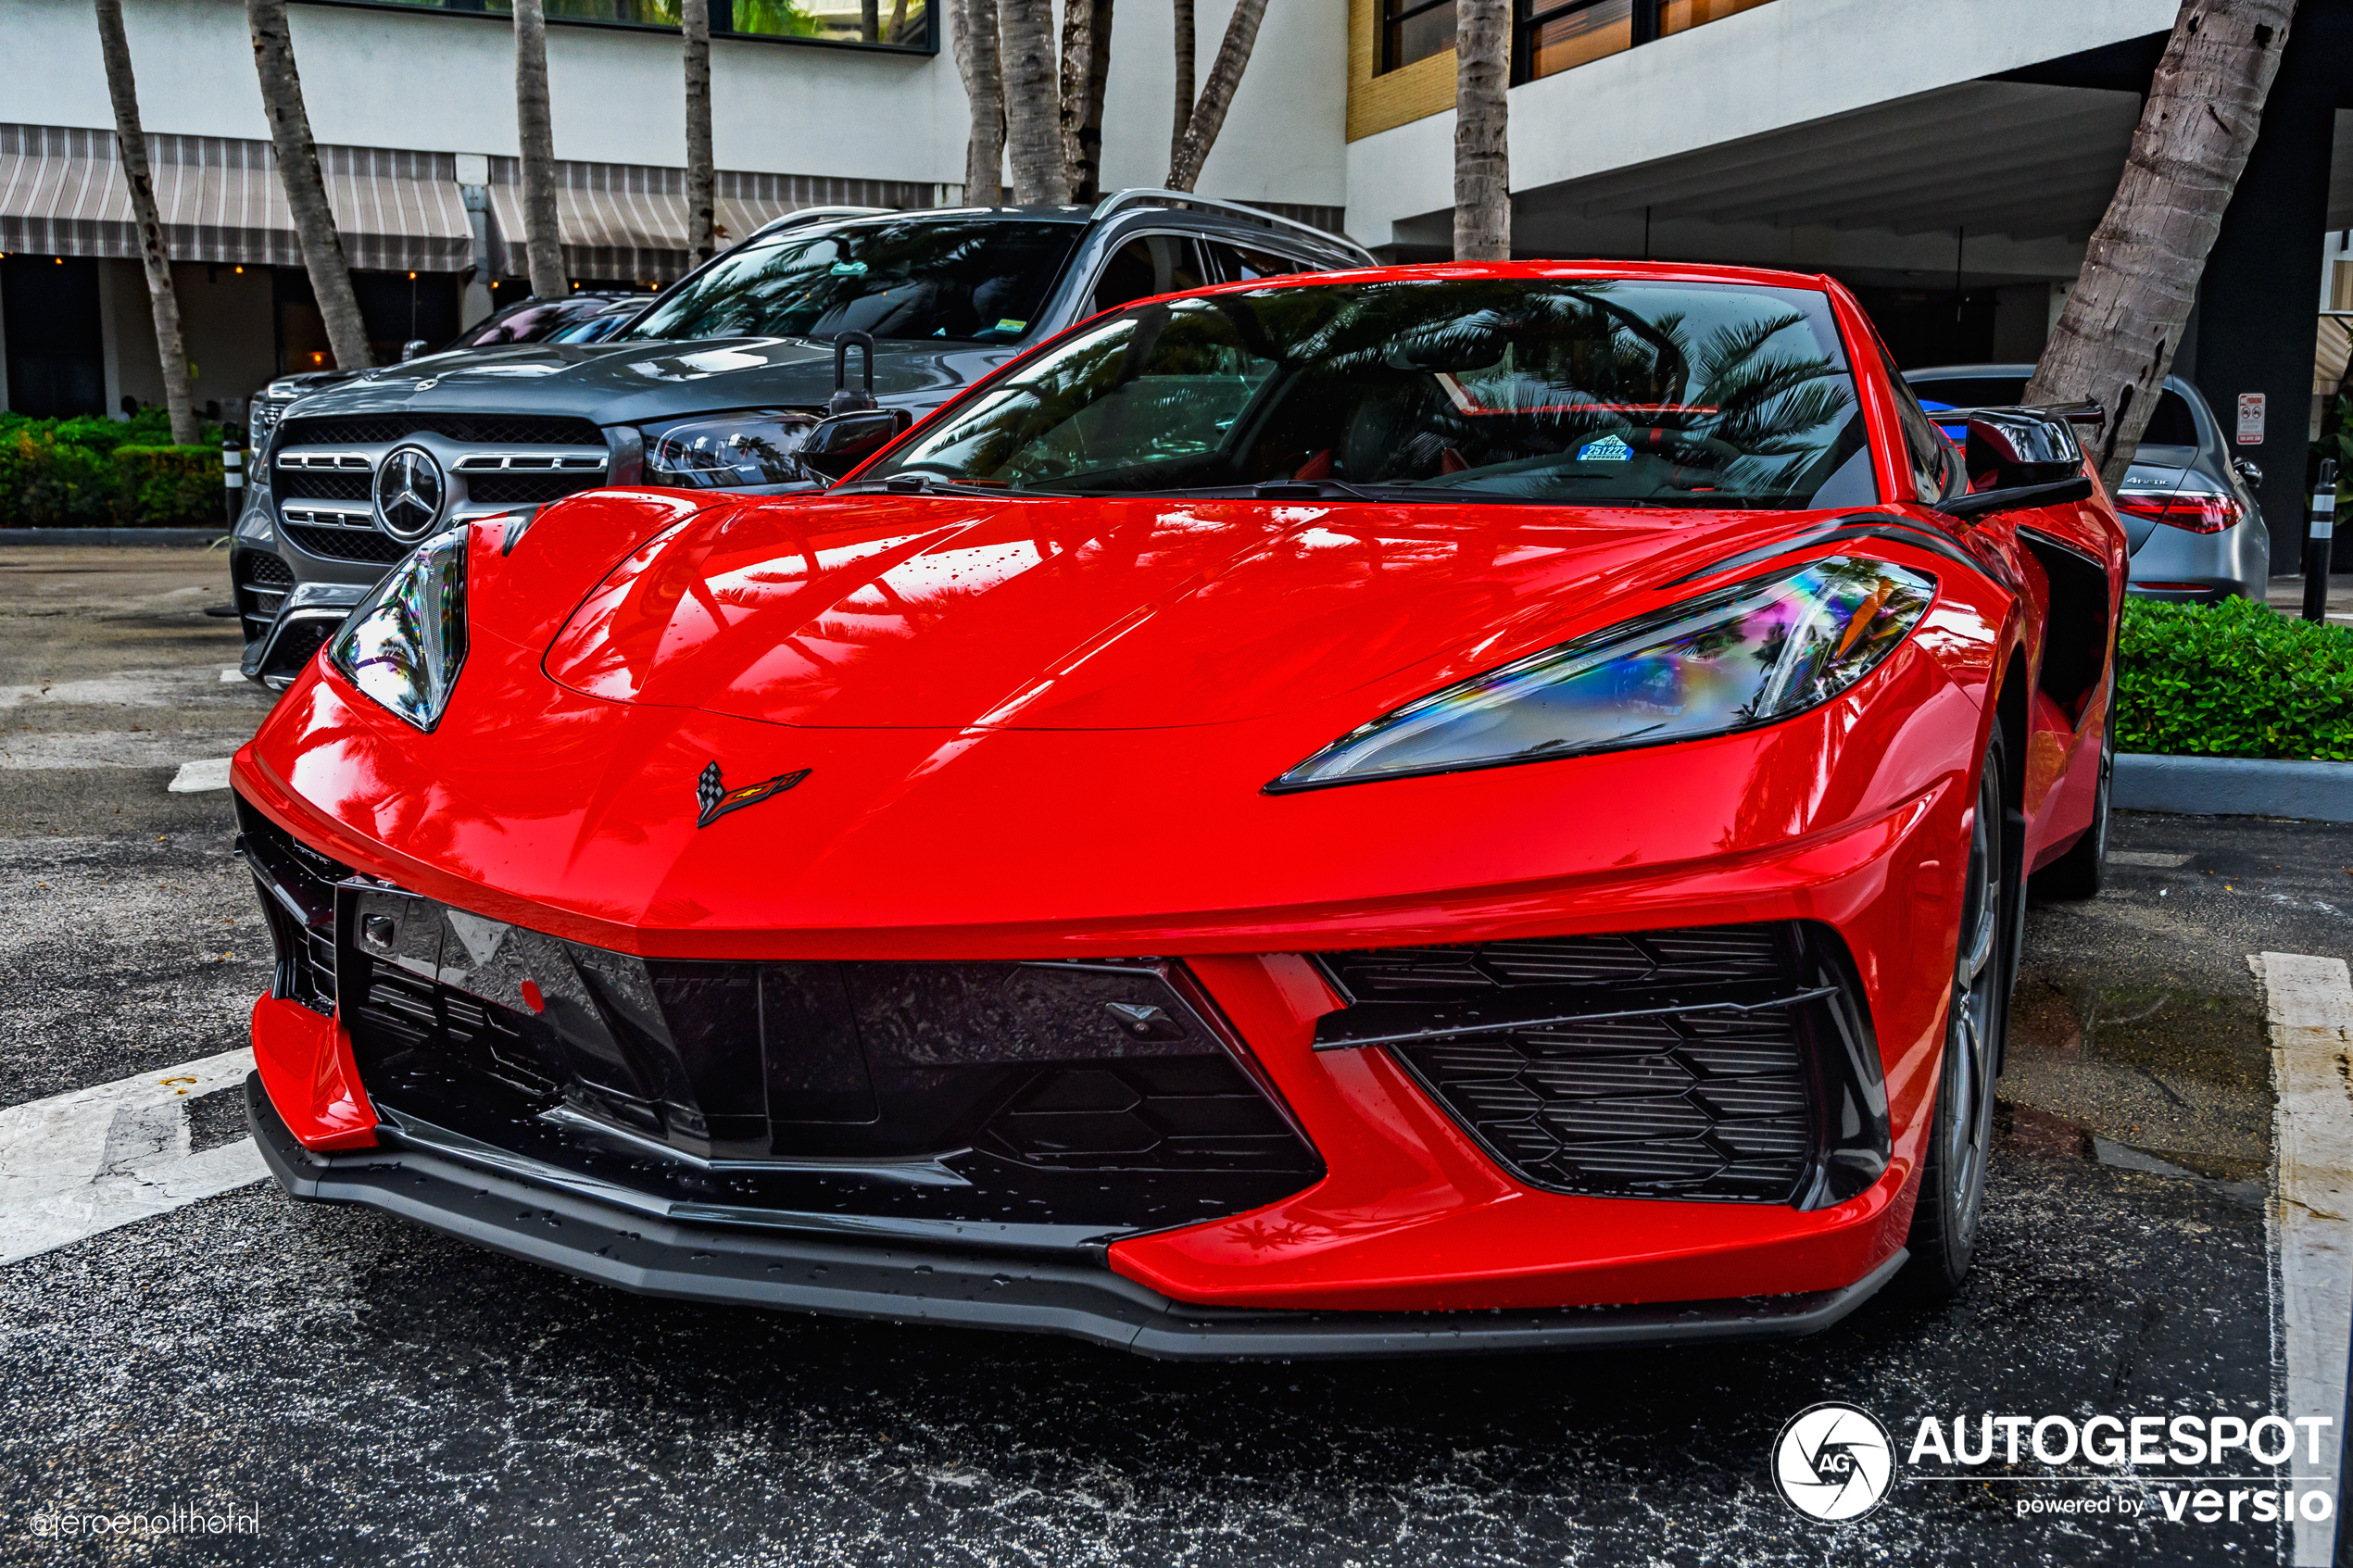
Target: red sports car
[{"x": 1447, "y": 807}]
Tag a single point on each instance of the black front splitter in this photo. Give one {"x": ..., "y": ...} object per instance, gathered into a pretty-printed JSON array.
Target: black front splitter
[{"x": 1075, "y": 1294}]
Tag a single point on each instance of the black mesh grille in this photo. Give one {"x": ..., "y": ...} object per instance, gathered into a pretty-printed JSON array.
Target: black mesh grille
[
  {"x": 311, "y": 484},
  {"x": 299, "y": 643},
  {"x": 346, "y": 544},
  {"x": 499, "y": 429},
  {"x": 298, "y": 885},
  {"x": 500, "y": 489},
  {"x": 264, "y": 569},
  {"x": 1705, "y": 1083}
]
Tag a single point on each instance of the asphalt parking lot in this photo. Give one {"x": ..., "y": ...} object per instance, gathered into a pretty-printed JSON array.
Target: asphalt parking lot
[{"x": 373, "y": 1392}]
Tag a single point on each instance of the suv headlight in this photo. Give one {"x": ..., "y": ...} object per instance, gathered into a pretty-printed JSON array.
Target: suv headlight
[
  {"x": 404, "y": 643},
  {"x": 737, "y": 452},
  {"x": 1732, "y": 659}
]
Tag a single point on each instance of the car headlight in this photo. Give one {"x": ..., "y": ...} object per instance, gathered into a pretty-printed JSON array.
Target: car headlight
[
  {"x": 1732, "y": 659},
  {"x": 404, "y": 643},
  {"x": 733, "y": 453}
]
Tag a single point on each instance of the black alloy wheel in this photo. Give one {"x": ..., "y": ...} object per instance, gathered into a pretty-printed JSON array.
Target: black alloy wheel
[
  {"x": 1952, "y": 1197},
  {"x": 2082, "y": 869}
]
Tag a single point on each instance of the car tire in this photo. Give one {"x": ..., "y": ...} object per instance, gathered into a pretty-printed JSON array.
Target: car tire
[
  {"x": 1951, "y": 1204},
  {"x": 2081, "y": 873}
]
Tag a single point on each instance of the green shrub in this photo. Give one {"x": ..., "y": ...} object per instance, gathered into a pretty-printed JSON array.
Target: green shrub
[
  {"x": 169, "y": 486},
  {"x": 101, "y": 473},
  {"x": 2235, "y": 679}
]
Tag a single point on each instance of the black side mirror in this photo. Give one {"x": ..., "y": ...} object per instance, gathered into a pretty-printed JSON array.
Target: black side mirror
[
  {"x": 839, "y": 444},
  {"x": 845, "y": 401},
  {"x": 2249, "y": 470},
  {"x": 2017, "y": 459},
  {"x": 413, "y": 348}
]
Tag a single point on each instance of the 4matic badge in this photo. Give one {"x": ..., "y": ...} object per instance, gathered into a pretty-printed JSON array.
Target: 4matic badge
[{"x": 716, "y": 799}]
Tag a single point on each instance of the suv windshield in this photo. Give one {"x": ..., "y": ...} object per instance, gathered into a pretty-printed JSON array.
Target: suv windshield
[
  {"x": 1582, "y": 391},
  {"x": 918, "y": 277}
]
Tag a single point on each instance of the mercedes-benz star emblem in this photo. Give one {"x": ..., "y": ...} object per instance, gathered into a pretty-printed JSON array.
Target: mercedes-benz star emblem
[{"x": 409, "y": 492}]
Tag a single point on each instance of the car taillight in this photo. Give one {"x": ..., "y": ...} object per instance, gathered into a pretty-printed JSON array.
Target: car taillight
[{"x": 2199, "y": 512}]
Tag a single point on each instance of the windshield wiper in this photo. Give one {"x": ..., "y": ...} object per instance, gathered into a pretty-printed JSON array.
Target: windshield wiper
[{"x": 919, "y": 484}]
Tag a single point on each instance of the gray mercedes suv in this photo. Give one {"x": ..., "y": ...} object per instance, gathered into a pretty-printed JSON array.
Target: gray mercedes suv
[
  {"x": 717, "y": 387},
  {"x": 2187, "y": 505}
]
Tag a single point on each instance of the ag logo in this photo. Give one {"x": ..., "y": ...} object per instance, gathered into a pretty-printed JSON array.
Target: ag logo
[{"x": 1832, "y": 1462}]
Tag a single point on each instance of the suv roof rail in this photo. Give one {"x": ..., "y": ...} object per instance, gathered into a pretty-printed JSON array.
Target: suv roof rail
[
  {"x": 798, "y": 215},
  {"x": 1140, "y": 196}
]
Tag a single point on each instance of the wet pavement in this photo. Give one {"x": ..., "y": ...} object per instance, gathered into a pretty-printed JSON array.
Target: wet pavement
[{"x": 373, "y": 1392}]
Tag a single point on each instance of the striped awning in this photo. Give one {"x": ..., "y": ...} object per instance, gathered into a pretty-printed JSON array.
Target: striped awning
[
  {"x": 627, "y": 222},
  {"x": 62, "y": 193}
]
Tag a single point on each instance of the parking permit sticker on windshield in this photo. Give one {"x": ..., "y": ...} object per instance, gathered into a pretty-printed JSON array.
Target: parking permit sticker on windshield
[
  {"x": 1010, "y": 325},
  {"x": 1608, "y": 449}
]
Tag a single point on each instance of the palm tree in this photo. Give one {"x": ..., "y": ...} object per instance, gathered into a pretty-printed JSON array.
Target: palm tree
[
  {"x": 177, "y": 398},
  {"x": 972, "y": 31},
  {"x": 1186, "y": 38},
  {"x": 702, "y": 178},
  {"x": 2115, "y": 341},
  {"x": 1482, "y": 154},
  {"x": 543, "y": 241},
  {"x": 1217, "y": 96},
  {"x": 1086, "y": 70},
  {"x": 298, "y": 155},
  {"x": 1033, "y": 109}
]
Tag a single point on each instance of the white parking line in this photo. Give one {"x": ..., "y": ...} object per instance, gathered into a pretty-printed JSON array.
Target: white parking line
[
  {"x": 230, "y": 675},
  {"x": 194, "y": 778},
  {"x": 79, "y": 1163},
  {"x": 2310, "y": 1001},
  {"x": 2153, "y": 858}
]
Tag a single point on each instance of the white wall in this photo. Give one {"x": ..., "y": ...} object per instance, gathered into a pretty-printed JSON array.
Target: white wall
[
  {"x": 1784, "y": 64},
  {"x": 445, "y": 82}
]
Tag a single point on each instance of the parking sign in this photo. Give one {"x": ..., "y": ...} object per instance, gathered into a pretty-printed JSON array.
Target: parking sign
[{"x": 2250, "y": 419}]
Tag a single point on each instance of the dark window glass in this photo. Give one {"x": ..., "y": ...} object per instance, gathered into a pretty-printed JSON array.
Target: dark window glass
[
  {"x": 1242, "y": 264},
  {"x": 896, "y": 278},
  {"x": 1558, "y": 37},
  {"x": 2172, "y": 424},
  {"x": 1415, "y": 30},
  {"x": 900, "y": 23},
  {"x": 1148, "y": 265},
  {"x": 1936, "y": 466},
  {"x": 1603, "y": 392}
]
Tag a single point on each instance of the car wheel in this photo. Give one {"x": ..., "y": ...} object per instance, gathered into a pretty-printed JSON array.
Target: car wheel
[
  {"x": 1952, "y": 1195},
  {"x": 2080, "y": 872}
]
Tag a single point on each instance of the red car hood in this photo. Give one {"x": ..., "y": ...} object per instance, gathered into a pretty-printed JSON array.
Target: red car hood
[{"x": 1092, "y": 614}]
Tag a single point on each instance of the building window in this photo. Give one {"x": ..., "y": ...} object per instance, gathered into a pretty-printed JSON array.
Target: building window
[
  {"x": 889, "y": 24},
  {"x": 1555, "y": 35},
  {"x": 1558, "y": 35},
  {"x": 1415, "y": 30}
]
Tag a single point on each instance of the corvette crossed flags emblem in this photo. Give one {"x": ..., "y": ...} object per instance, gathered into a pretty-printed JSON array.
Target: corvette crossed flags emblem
[{"x": 716, "y": 799}]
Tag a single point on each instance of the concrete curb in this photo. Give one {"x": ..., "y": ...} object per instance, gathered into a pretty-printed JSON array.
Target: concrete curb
[
  {"x": 2233, "y": 786},
  {"x": 191, "y": 537}
]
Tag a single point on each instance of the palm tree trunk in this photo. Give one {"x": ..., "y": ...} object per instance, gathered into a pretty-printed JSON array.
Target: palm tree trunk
[
  {"x": 177, "y": 398},
  {"x": 2116, "y": 339},
  {"x": 1185, "y": 78},
  {"x": 543, "y": 241},
  {"x": 897, "y": 31},
  {"x": 1033, "y": 106},
  {"x": 1217, "y": 96},
  {"x": 297, "y": 156},
  {"x": 972, "y": 31},
  {"x": 702, "y": 178},
  {"x": 870, "y": 20},
  {"x": 1482, "y": 151},
  {"x": 1086, "y": 70}
]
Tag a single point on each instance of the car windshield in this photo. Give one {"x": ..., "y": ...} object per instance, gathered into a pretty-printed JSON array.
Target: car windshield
[
  {"x": 974, "y": 278},
  {"x": 1585, "y": 392},
  {"x": 530, "y": 323}
]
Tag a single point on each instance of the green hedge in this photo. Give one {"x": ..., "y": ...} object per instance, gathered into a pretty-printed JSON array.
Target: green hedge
[
  {"x": 106, "y": 473},
  {"x": 2235, "y": 679}
]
